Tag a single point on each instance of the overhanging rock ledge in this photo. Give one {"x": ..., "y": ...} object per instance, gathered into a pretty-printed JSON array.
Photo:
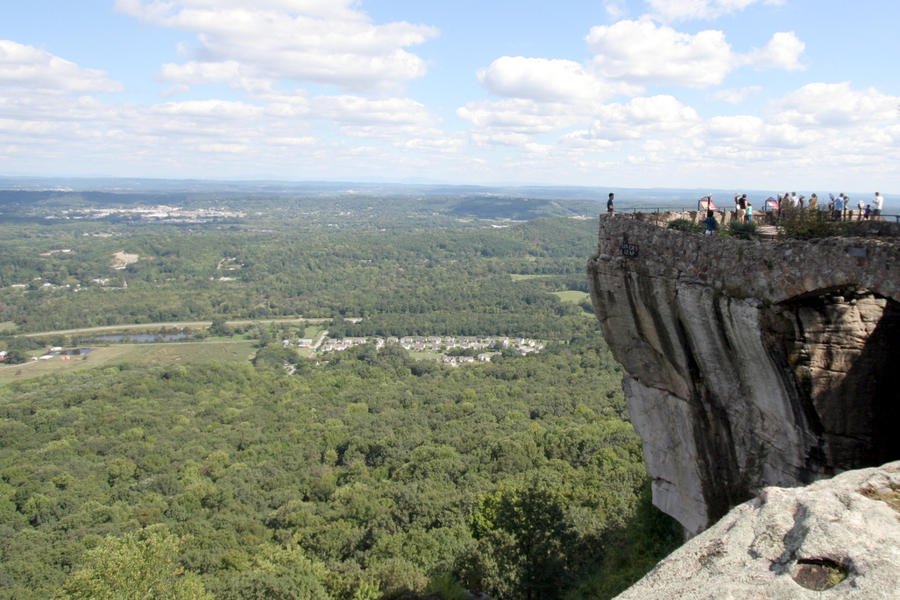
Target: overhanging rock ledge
[{"x": 750, "y": 364}]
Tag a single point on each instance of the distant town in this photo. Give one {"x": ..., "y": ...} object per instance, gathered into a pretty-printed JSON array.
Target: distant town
[
  {"x": 453, "y": 350},
  {"x": 158, "y": 214}
]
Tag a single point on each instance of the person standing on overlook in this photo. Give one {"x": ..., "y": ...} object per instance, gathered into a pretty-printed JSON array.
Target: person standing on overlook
[
  {"x": 741, "y": 212},
  {"x": 879, "y": 205},
  {"x": 710, "y": 222},
  {"x": 610, "y": 210}
]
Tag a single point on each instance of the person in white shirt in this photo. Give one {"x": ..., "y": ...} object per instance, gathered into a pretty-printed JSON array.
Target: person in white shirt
[
  {"x": 860, "y": 209},
  {"x": 879, "y": 204}
]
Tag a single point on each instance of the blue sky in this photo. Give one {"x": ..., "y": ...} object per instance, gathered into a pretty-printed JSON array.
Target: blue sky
[{"x": 757, "y": 94}]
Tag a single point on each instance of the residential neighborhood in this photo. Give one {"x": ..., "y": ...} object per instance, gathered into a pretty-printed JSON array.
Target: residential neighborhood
[{"x": 479, "y": 349}]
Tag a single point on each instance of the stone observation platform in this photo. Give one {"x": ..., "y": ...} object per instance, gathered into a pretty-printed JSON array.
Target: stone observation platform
[
  {"x": 750, "y": 363},
  {"x": 770, "y": 270}
]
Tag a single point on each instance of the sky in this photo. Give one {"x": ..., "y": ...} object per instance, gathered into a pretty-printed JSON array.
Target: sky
[{"x": 755, "y": 94}]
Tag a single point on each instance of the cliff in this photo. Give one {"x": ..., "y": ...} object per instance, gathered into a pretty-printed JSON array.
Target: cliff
[
  {"x": 840, "y": 535},
  {"x": 749, "y": 363}
]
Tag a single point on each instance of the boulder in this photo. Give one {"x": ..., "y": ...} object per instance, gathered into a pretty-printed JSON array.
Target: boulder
[{"x": 836, "y": 538}]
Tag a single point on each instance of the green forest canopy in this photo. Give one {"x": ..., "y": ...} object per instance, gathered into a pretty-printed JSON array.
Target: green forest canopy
[{"x": 370, "y": 476}]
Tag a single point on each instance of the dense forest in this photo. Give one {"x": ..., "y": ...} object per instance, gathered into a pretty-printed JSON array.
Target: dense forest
[{"x": 363, "y": 475}]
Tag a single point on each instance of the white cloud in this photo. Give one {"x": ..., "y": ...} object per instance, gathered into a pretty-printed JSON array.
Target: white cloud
[
  {"x": 643, "y": 51},
  {"x": 223, "y": 148},
  {"x": 745, "y": 128},
  {"x": 32, "y": 68},
  {"x": 683, "y": 10},
  {"x": 825, "y": 120},
  {"x": 358, "y": 110},
  {"x": 438, "y": 144},
  {"x": 303, "y": 41},
  {"x": 547, "y": 80},
  {"x": 641, "y": 117},
  {"x": 292, "y": 141},
  {"x": 615, "y": 9},
  {"x": 519, "y": 115},
  {"x": 197, "y": 73},
  {"x": 210, "y": 109},
  {"x": 837, "y": 105},
  {"x": 501, "y": 138},
  {"x": 782, "y": 52}
]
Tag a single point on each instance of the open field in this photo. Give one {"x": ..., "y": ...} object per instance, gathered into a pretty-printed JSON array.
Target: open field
[
  {"x": 419, "y": 355},
  {"x": 313, "y": 331},
  {"x": 526, "y": 277},
  {"x": 172, "y": 324},
  {"x": 573, "y": 296},
  {"x": 162, "y": 354}
]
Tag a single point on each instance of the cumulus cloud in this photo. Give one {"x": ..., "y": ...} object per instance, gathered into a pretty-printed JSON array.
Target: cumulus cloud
[
  {"x": 210, "y": 109},
  {"x": 683, "y": 10},
  {"x": 643, "y": 51},
  {"x": 29, "y": 67},
  {"x": 827, "y": 119},
  {"x": 300, "y": 40},
  {"x": 837, "y": 105},
  {"x": 519, "y": 115},
  {"x": 782, "y": 52},
  {"x": 640, "y": 117},
  {"x": 547, "y": 80}
]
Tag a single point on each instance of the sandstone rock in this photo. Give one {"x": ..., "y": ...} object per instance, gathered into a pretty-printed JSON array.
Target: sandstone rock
[{"x": 837, "y": 538}]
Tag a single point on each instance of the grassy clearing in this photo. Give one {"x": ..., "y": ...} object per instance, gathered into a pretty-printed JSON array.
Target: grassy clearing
[
  {"x": 7, "y": 327},
  {"x": 526, "y": 277},
  {"x": 425, "y": 355},
  {"x": 312, "y": 331},
  {"x": 573, "y": 296},
  {"x": 162, "y": 354}
]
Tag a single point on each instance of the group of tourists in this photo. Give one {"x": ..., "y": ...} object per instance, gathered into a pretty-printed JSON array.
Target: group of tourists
[
  {"x": 840, "y": 208},
  {"x": 743, "y": 209}
]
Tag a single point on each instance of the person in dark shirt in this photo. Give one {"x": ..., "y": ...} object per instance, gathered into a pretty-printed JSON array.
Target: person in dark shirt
[
  {"x": 609, "y": 204},
  {"x": 710, "y": 221}
]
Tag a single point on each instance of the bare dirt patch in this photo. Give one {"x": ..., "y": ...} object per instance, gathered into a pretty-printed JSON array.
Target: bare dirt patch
[{"x": 122, "y": 259}]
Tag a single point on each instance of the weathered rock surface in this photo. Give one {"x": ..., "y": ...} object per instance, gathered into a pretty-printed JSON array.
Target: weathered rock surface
[
  {"x": 793, "y": 544},
  {"x": 750, "y": 363}
]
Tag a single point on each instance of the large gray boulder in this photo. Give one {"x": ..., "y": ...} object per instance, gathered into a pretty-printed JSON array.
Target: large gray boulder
[{"x": 836, "y": 538}]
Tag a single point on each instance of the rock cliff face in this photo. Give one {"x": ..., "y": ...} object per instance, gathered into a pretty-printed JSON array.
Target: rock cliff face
[
  {"x": 840, "y": 535},
  {"x": 750, "y": 363}
]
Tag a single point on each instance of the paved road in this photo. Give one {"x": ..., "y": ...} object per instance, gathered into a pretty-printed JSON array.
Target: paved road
[{"x": 177, "y": 324}]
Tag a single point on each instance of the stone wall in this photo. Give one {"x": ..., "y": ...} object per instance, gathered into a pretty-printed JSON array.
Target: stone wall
[
  {"x": 749, "y": 363},
  {"x": 767, "y": 270}
]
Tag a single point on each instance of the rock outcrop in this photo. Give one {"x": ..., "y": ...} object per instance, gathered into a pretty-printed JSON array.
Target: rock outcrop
[
  {"x": 750, "y": 364},
  {"x": 838, "y": 538}
]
